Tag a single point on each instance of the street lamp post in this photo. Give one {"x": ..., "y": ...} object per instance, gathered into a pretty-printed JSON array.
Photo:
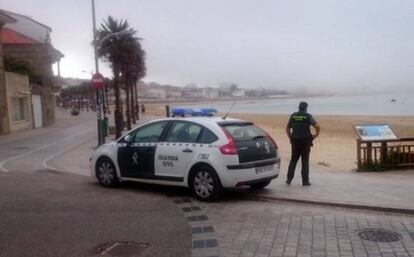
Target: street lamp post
[
  {"x": 100, "y": 92},
  {"x": 101, "y": 135}
]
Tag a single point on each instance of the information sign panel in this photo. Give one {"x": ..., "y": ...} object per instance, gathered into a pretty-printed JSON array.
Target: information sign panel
[{"x": 375, "y": 132}]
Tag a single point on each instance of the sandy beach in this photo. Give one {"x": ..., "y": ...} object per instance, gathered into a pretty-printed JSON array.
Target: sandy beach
[{"x": 335, "y": 149}]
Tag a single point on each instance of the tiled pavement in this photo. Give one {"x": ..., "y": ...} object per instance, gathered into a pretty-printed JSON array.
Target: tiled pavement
[
  {"x": 204, "y": 238},
  {"x": 257, "y": 229},
  {"x": 262, "y": 229}
]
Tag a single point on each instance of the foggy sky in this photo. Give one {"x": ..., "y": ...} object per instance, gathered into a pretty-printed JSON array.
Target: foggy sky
[{"x": 308, "y": 45}]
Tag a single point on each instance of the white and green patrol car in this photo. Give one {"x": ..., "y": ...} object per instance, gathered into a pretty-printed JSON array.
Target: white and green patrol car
[{"x": 205, "y": 154}]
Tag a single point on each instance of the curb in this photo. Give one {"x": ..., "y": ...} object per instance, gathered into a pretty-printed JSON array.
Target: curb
[{"x": 336, "y": 204}]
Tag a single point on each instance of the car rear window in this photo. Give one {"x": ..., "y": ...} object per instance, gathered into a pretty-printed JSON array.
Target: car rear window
[{"x": 244, "y": 131}]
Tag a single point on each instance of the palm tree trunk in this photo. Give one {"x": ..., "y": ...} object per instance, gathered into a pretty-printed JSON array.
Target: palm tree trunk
[
  {"x": 108, "y": 108},
  {"x": 137, "y": 102},
  {"x": 118, "y": 110},
  {"x": 131, "y": 88},
  {"x": 79, "y": 101},
  {"x": 133, "y": 104},
  {"x": 121, "y": 109},
  {"x": 128, "y": 102}
]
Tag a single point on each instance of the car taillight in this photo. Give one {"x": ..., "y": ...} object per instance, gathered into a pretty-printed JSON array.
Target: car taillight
[
  {"x": 229, "y": 148},
  {"x": 271, "y": 139}
]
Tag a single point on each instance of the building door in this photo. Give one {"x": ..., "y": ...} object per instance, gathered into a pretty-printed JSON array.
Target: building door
[{"x": 37, "y": 111}]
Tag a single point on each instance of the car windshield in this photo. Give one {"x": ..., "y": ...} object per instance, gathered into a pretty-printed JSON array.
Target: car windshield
[{"x": 244, "y": 131}]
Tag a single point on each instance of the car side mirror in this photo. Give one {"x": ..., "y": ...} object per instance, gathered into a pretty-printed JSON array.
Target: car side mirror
[{"x": 128, "y": 138}]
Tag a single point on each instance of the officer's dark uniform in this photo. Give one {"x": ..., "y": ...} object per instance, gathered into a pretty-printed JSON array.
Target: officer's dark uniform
[{"x": 301, "y": 139}]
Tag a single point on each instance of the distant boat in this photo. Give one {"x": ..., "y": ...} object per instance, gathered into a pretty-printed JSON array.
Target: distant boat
[{"x": 393, "y": 100}]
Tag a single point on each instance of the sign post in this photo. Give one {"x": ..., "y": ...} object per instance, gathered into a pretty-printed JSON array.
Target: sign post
[
  {"x": 98, "y": 83},
  {"x": 96, "y": 79}
]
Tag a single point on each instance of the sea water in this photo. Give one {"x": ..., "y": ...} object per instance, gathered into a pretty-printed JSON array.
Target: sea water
[{"x": 379, "y": 105}]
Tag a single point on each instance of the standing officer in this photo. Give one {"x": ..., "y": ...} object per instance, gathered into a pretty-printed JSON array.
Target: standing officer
[{"x": 299, "y": 133}]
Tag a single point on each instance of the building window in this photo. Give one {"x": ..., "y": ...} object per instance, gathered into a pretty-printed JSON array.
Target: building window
[{"x": 19, "y": 109}]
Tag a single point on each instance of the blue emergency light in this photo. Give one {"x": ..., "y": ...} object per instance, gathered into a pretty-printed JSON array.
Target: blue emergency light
[{"x": 183, "y": 112}]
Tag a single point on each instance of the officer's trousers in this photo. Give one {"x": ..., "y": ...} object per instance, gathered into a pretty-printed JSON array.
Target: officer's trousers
[{"x": 300, "y": 149}]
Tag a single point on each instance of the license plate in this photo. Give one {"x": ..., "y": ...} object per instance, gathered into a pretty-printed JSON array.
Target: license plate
[{"x": 264, "y": 169}]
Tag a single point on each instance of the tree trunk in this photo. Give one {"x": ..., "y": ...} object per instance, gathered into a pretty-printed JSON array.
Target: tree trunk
[
  {"x": 117, "y": 113},
  {"x": 134, "y": 103},
  {"x": 122, "y": 115},
  {"x": 128, "y": 102},
  {"x": 121, "y": 109},
  {"x": 79, "y": 102},
  {"x": 137, "y": 102},
  {"x": 108, "y": 106}
]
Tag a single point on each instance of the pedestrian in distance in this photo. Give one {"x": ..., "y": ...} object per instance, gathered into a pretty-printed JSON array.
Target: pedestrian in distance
[{"x": 301, "y": 139}]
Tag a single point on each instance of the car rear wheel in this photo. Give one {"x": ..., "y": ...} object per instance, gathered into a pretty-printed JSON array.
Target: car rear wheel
[
  {"x": 106, "y": 173},
  {"x": 260, "y": 185},
  {"x": 205, "y": 184}
]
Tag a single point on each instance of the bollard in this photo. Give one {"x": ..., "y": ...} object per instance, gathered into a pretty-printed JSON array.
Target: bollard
[{"x": 167, "y": 110}]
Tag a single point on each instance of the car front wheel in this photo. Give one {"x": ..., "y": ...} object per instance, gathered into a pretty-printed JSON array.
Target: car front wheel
[
  {"x": 205, "y": 184},
  {"x": 106, "y": 173}
]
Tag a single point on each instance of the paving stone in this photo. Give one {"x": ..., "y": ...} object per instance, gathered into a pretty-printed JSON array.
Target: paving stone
[
  {"x": 211, "y": 243},
  {"x": 197, "y": 218},
  {"x": 197, "y": 230},
  {"x": 186, "y": 209},
  {"x": 199, "y": 244}
]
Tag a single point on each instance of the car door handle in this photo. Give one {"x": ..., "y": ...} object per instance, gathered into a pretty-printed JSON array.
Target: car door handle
[{"x": 187, "y": 150}]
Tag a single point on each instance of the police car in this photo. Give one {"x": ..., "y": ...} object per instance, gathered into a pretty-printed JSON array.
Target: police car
[{"x": 205, "y": 154}]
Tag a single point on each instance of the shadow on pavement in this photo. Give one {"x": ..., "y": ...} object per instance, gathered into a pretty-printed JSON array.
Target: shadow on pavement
[{"x": 228, "y": 195}]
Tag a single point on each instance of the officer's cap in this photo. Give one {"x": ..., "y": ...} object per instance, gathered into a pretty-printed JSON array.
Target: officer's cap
[{"x": 303, "y": 106}]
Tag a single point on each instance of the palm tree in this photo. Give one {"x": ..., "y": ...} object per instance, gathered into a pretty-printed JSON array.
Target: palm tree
[
  {"x": 140, "y": 71},
  {"x": 133, "y": 69},
  {"x": 114, "y": 47}
]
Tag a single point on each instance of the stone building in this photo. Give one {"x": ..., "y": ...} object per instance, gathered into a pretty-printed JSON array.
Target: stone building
[
  {"x": 19, "y": 102},
  {"x": 29, "y": 41},
  {"x": 4, "y": 121}
]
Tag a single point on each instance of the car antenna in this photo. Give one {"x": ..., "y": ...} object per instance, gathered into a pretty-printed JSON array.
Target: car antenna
[{"x": 231, "y": 107}]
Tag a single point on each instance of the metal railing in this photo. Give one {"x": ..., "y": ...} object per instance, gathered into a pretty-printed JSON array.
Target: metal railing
[{"x": 390, "y": 154}]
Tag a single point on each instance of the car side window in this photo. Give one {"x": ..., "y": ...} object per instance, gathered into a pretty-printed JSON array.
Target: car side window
[
  {"x": 184, "y": 132},
  {"x": 150, "y": 133},
  {"x": 207, "y": 136}
]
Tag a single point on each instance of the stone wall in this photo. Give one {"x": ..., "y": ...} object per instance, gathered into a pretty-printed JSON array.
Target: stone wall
[
  {"x": 17, "y": 87},
  {"x": 40, "y": 57}
]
